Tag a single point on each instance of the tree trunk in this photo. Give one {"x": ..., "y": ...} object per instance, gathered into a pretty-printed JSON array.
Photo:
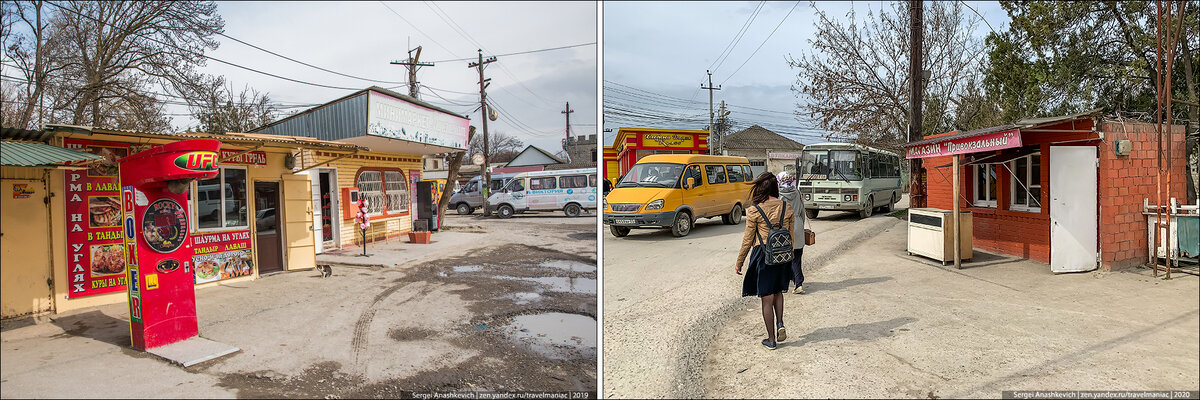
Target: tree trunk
[
  {"x": 1193, "y": 127},
  {"x": 452, "y": 176}
]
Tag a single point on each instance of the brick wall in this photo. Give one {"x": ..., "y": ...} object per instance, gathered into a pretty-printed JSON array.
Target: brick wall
[{"x": 1124, "y": 182}]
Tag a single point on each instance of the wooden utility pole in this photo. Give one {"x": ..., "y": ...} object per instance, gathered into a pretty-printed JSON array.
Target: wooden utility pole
[
  {"x": 485, "y": 174},
  {"x": 412, "y": 64},
  {"x": 916, "y": 192},
  {"x": 722, "y": 127},
  {"x": 710, "y": 109},
  {"x": 567, "y": 129}
]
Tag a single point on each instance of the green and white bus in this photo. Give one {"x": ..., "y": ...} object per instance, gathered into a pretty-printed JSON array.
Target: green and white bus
[{"x": 847, "y": 177}]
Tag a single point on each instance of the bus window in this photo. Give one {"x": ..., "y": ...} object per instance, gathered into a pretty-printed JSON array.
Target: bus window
[
  {"x": 716, "y": 173},
  {"x": 572, "y": 181},
  {"x": 747, "y": 172},
  {"x": 546, "y": 183},
  {"x": 591, "y": 180},
  {"x": 693, "y": 171},
  {"x": 735, "y": 173}
]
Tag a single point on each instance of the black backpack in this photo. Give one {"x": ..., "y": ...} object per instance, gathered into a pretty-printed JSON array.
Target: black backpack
[{"x": 779, "y": 239}]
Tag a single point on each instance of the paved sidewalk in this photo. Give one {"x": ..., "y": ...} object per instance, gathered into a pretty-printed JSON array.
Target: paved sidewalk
[{"x": 877, "y": 323}]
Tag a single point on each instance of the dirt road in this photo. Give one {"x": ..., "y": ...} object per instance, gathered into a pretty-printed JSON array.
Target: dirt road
[
  {"x": 490, "y": 305},
  {"x": 665, "y": 298}
]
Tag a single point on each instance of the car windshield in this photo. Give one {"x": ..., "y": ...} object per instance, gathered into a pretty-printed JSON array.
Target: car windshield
[
  {"x": 664, "y": 175},
  {"x": 829, "y": 164}
]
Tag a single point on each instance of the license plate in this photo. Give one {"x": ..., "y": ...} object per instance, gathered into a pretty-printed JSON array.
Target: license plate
[
  {"x": 825, "y": 205},
  {"x": 624, "y": 221}
]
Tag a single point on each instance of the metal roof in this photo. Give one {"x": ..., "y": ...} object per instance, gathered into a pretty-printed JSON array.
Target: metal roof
[
  {"x": 28, "y": 154},
  {"x": 26, "y": 134},
  {"x": 1026, "y": 123},
  {"x": 376, "y": 89},
  {"x": 283, "y": 141}
]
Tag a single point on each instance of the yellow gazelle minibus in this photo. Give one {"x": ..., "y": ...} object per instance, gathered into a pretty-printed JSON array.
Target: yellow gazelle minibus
[{"x": 674, "y": 190}]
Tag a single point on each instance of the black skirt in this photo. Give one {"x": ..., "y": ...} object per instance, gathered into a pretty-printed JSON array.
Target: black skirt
[{"x": 762, "y": 279}]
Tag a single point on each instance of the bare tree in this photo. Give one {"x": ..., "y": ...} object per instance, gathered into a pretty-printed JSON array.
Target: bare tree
[
  {"x": 219, "y": 110},
  {"x": 35, "y": 53},
  {"x": 502, "y": 147},
  {"x": 854, "y": 82}
]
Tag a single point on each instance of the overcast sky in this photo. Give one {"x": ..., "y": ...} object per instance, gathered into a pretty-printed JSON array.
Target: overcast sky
[
  {"x": 362, "y": 38},
  {"x": 665, "y": 48}
]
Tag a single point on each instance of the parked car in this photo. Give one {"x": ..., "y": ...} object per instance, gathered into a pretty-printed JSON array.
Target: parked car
[{"x": 674, "y": 190}]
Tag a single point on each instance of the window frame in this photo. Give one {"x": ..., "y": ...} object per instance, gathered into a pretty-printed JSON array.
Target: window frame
[
  {"x": 567, "y": 178},
  {"x": 709, "y": 177},
  {"x": 729, "y": 174},
  {"x": 975, "y": 186},
  {"x": 194, "y": 196},
  {"x": 1014, "y": 186},
  {"x": 385, "y": 212},
  {"x": 531, "y": 179}
]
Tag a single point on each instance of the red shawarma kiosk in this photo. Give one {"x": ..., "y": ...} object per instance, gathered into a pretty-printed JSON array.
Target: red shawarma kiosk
[{"x": 162, "y": 297}]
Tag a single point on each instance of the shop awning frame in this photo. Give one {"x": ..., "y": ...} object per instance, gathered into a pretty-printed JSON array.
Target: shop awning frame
[
  {"x": 251, "y": 139},
  {"x": 41, "y": 155}
]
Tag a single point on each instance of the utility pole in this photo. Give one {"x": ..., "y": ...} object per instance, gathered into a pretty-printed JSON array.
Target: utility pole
[
  {"x": 916, "y": 192},
  {"x": 710, "y": 108},
  {"x": 567, "y": 129},
  {"x": 486, "y": 180},
  {"x": 412, "y": 64},
  {"x": 722, "y": 126}
]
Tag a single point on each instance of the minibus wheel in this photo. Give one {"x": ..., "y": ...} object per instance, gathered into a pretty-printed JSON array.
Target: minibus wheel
[
  {"x": 618, "y": 231},
  {"x": 465, "y": 209},
  {"x": 572, "y": 210},
  {"x": 734, "y": 217},
  {"x": 505, "y": 211},
  {"x": 682, "y": 225}
]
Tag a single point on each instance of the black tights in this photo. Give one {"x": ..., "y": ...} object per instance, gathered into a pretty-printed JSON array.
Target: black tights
[{"x": 772, "y": 308}]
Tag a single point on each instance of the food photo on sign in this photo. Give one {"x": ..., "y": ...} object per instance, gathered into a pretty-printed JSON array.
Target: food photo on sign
[{"x": 105, "y": 211}]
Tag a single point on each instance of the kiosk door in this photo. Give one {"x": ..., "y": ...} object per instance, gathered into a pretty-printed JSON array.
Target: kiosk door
[{"x": 266, "y": 223}]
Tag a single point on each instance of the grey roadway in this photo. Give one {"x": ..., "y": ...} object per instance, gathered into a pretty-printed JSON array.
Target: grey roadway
[{"x": 665, "y": 298}]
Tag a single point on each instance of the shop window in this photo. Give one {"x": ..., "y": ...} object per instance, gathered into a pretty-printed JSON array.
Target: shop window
[
  {"x": 1026, "y": 183},
  {"x": 758, "y": 163},
  {"x": 395, "y": 191},
  {"x": 735, "y": 173},
  {"x": 370, "y": 187},
  {"x": 573, "y": 181},
  {"x": 546, "y": 183},
  {"x": 386, "y": 191},
  {"x": 716, "y": 173},
  {"x": 983, "y": 180},
  {"x": 220, "y": 202}
]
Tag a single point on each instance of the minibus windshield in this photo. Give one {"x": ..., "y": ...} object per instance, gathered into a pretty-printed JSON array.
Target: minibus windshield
[
  {"x": 664, "y": 175},
  {"x": 829, "y": 164}
]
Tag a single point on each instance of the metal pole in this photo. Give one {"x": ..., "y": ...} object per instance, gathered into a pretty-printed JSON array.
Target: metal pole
[
  {"x": 957, "y": 232},
  {"x": 1158, "y": 128},
  {"x": 710, "y": 110}
]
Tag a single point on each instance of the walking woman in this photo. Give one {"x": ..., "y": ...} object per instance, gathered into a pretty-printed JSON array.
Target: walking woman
[
  {"x": 763, "y": 279},
  {"x": 791, "y": 196}
]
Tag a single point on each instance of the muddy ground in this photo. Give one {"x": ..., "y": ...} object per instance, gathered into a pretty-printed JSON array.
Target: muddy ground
[{"x": 439, "y": 317}]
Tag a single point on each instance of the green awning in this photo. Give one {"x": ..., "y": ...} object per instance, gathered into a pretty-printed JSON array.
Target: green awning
[{"x": 25, "y": 154}]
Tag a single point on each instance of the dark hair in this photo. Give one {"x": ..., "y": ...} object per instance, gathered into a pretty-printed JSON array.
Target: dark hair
[{"x": 765, "y": 186}]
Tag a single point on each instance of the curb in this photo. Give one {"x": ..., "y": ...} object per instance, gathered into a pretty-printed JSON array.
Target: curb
[{"x": 696, "y": 338}]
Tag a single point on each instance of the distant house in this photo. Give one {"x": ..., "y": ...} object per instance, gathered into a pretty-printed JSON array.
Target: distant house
[
  {"x": 533, "y": 156},
  {"x": 766, "y": 150}
]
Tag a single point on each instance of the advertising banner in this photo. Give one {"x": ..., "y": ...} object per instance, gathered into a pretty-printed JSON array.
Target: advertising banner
[
  {"x": 399, "y": 119},
  {"x": 222, "y": 255},
  {"x": 95, "y": 250},
  {"x": 240, "y": 158},
  {"x": 667, "y": 140},
  {"x": 974, "y": 144}
]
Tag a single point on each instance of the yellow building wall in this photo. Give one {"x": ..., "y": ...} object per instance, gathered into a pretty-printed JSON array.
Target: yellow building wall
[
  {"x": 299, "y": 249},
  {"x": 347, "y": 170},
  {"x": 25, "y": 265}
]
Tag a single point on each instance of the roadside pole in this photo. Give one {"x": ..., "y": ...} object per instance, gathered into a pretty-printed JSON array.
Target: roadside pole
[{"x": 957, "y": 233}]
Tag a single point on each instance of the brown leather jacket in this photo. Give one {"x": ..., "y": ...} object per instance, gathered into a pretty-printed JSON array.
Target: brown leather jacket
[{"x": 754, "y": 222}]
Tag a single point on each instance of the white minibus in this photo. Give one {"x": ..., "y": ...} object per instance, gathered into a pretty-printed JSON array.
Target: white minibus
[{"x": 569, "y": 190}]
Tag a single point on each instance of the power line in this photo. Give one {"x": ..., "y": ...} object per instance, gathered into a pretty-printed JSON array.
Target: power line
[
  {"x": 785, "y": 17},
  {"x": 525, "y": 52},
  {"x": 737, "y": 38},
  {"x": 307, "y": 64},
  {"x": 418, "y": 29}
]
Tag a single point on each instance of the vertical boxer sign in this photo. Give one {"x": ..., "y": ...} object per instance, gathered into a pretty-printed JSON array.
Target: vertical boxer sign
[{"x": 135, "y": 298}]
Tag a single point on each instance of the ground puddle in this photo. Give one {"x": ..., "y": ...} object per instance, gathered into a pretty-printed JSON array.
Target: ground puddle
[{"x": 556, "y": 335}]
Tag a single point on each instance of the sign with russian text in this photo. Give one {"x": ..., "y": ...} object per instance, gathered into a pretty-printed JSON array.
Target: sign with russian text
[
  {"x": 666, "y": 140},
  {"x": 222, "y": 255},
  {"x": 240, "y": 158},
  {"x": 398, "y": 119},
  {"x": 21, "y": 190},
  {"x": 974, "y": 144},
  {"x": 95, "y": 229}
]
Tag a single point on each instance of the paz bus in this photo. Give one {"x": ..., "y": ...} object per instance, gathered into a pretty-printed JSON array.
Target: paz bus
[{"x": 847, "y": 177}]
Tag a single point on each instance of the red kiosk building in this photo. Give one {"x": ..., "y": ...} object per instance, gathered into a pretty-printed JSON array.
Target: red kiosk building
[
  {"x": 632, "y": 144},
  {"x": 1058, "y": 190}
]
